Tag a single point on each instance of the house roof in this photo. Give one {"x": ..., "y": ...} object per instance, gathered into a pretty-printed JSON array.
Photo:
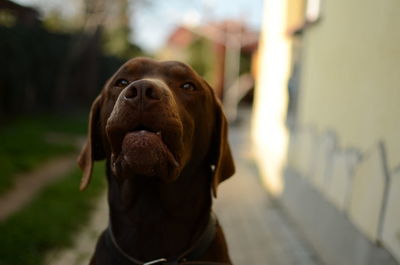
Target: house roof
[{"x": 217, "y": 32}]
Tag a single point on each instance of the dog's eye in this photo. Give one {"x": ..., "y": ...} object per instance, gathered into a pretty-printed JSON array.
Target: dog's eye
[
  {"x": 122, "y": 83},
  {"x": 188, "y": 86}
]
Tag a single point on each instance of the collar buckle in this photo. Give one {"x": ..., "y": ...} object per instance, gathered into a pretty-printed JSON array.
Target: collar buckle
[{"x": 156, "y": 261}]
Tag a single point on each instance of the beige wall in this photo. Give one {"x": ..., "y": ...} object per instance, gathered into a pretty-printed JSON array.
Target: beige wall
[
  {"x": 350, "y": 100},
  {"x": 347, "y": 142},
  {"x": 351, "y": 73}
]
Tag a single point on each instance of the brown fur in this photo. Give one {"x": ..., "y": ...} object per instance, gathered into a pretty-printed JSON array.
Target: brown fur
[{"x": 159, "y": 199}]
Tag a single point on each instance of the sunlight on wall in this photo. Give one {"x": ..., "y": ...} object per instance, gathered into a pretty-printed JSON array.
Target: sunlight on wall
[{"x": 269, "y": 134}]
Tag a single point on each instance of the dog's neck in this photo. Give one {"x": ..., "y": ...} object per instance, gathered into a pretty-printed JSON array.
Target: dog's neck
[{"x": 152, "y": 219}]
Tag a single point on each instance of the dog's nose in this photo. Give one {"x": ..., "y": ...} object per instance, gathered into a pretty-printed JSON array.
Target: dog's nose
[{"x": 142, "y": 91}]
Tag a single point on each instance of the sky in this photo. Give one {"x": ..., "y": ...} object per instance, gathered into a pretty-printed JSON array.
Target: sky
[{"x": 153, "y": 22}]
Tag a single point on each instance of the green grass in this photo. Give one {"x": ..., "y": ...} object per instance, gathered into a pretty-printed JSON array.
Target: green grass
[
  {"x": 49, "y": 221},
  {"x": 24, "y": 144}
]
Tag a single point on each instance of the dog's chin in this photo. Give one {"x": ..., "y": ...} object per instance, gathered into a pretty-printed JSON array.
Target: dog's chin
[{"x": 144, "y": 154}]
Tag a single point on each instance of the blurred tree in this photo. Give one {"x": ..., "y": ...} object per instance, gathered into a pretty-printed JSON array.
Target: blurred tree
[
  {"x": 113, "y": 17},
  {"x": 54, "y": 22},
  {"x": 105, "y": 28},
  {"x": 201, "y": 57}
]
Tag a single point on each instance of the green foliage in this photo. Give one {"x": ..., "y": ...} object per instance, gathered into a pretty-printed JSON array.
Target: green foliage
[
  {"x": 116, "y": 43},
  {"x": 245, "y": 63},
  {"x": 55, "y": 22},
  {"x": 201, "y": 57},
  {"x": 49, "y": 222},
  {"x": 25, "y": 145}
]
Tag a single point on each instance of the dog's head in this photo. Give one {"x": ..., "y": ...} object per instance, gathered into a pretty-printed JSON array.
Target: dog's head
[{"x": 153, "y": 119}]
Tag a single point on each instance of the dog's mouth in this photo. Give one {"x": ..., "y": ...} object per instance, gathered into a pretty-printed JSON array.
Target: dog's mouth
[{"x": 142, "y": 151}]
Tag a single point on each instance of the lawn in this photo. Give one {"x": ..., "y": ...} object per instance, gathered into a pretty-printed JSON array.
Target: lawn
[
  {"x": 50, "y": 220},
  {"x": 25, "y": 144}
]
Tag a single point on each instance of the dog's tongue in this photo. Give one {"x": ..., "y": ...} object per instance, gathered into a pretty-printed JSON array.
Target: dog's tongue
[{"x": 145, "y": 153}]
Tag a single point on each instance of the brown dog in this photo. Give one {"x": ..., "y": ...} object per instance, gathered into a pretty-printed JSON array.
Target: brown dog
[{"x": 163, "y": 134}]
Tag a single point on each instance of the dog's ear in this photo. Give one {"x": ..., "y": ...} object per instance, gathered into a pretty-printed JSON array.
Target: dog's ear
[
  {"x": 93, "y": 149},
  {"x": 220, "y": 151}
]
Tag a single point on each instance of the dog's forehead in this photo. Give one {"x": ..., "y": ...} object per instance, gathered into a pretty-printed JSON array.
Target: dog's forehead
[{"x": 144, "y": 66}]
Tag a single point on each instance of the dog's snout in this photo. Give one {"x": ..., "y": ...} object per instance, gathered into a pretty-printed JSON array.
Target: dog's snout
[{"x": 143, "y": 91}]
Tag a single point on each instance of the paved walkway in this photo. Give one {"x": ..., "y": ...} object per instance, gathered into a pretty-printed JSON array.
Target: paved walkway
[{"x": 257, "y": 230}]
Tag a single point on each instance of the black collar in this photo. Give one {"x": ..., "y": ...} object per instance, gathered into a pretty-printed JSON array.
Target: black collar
[{"x": 193, "y": 253}]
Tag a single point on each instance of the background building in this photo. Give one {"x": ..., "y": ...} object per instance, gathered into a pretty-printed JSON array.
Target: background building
[{"x": 222, "y": 52}]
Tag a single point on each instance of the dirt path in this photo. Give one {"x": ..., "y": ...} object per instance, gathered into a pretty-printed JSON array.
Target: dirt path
[{"x": 27, "y": 185}]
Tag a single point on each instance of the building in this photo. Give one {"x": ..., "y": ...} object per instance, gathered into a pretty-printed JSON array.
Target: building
[
  {"x": 222, "y": 52},
  {"x": 326, "y": 123}
]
